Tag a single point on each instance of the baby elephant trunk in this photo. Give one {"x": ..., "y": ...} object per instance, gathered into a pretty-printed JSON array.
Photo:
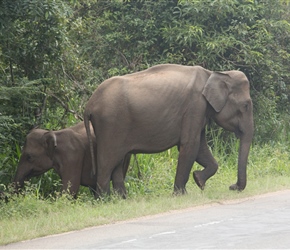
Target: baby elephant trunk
[
  {"x": 18, "y": 182},
  {"x": 22, "y": 173}
]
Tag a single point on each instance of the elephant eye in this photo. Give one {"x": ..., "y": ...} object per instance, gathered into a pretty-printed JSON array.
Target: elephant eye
[
  {"x": 29, "y": 157},
  {"x": 245, "y": 106}
]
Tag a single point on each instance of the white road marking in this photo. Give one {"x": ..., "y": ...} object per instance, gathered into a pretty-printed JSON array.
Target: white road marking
[
  {"x": 160, "y": 234},
  {"x": 212, "y": 223},
  {"x": 127, "y": 241}
]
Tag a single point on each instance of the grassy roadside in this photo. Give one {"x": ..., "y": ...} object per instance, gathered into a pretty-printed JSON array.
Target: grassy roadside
[{"x": 150, "y": 192}]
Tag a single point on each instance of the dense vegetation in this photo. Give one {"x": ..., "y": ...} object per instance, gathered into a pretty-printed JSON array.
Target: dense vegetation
[{"x": 54, "y": 53}]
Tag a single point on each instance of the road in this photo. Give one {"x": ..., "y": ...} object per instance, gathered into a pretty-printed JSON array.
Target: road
[{"x": 257, "y": 222}]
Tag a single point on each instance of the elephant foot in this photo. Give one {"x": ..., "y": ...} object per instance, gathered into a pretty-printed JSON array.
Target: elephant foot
[
  {"x": 198, "y": 179},
  {"x": 120, "y": 190},
  {"x": 236, "y": 187},
  {"x": 122, "y": 195},
  {"x": 179, "y": 191}
]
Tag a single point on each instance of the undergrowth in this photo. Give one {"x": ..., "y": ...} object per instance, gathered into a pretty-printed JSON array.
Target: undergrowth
[{"x": 149, "y": 183}]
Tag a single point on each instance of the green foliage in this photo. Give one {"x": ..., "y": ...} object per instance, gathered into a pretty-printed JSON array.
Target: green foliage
[
  {"x": 32, "y": 36},
  {"x": 146, "y": 173},
  {"x": 54, "y": 53}
]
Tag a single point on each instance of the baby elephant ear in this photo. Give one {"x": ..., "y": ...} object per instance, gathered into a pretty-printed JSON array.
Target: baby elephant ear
[
  {"x": 50, "y": 143},
  {"x": 216, "y": 90}
]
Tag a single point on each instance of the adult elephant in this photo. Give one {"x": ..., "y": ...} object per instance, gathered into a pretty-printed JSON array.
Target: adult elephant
[
  {"x": 164, "y": 106},
  {"x": 66, "y": 151}
]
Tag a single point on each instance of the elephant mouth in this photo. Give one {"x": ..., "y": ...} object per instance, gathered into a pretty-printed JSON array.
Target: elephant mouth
[
  {"x": 34, "y": 173},
  {"x": 238, "y": 133}
]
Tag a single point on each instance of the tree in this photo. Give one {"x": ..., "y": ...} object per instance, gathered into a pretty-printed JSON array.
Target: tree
[{"x": 54, "y": 53}]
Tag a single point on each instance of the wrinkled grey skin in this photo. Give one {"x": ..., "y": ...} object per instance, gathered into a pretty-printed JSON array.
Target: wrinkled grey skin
[
  {"x": 165, "y": 106},
  {"x": 66, "y": 150}
]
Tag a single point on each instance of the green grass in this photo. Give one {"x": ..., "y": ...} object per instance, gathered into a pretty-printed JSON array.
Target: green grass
[{"x": 149, "y": 192}]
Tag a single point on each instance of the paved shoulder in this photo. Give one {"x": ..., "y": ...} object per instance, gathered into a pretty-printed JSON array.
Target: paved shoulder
[{"x": 257, "y": 222}]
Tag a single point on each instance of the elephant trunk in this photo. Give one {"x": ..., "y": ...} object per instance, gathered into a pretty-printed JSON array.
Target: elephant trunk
[
  {"x": 18, "y": 181},
  {"x": 22, "y": 173},
  {"x": 244, "y": 149}
]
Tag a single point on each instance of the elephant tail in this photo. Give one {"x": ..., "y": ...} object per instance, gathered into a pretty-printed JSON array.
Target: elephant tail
[{"x": 87, "y": 121}]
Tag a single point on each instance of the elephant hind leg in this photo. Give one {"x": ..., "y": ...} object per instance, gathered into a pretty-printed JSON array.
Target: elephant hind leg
[
  {"x": 110, "y": 166},
  {"x": 118, "y": 177}
]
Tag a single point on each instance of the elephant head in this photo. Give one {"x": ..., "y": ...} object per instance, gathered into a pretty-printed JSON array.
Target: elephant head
[
  {"x": 37, "y": 155},
  {"x": 229, "y": 95}
]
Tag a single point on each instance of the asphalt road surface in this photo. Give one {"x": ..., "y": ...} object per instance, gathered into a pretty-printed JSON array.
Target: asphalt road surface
[{"x": 258, "y": 222}]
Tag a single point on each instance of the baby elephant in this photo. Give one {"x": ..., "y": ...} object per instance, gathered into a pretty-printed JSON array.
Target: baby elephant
[{"x": 66, "y": 151}]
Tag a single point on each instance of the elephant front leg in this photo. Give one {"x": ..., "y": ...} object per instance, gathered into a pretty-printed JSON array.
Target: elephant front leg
[
  {"x": 205, "y": 159},
  {"x": 70, "y": 186},
  {"x": 186, "y": 158},
  {"x": 70, "y": 178}
]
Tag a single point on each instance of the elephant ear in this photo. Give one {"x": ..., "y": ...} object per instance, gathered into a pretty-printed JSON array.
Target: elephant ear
[
  {"x": 50, "y": 143},
  {"x": 216, "y": 90}
]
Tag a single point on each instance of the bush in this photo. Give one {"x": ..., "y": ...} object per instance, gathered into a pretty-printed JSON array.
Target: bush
[{"x": 55, "y": 53}]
